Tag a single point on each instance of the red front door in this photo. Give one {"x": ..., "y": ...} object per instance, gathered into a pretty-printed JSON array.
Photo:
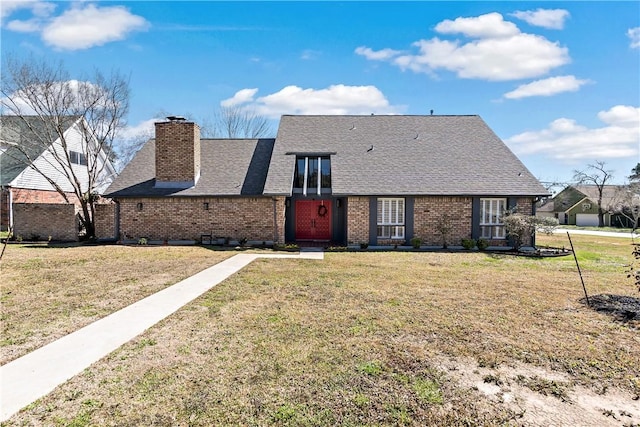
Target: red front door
[{"x": 313, "y": 220}]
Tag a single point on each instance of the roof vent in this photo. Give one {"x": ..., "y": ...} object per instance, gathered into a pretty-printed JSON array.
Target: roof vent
[{"x": 176, "y": 118}]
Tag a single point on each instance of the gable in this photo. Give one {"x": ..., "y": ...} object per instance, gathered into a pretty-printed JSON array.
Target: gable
[
  {"x": 27, "y": 133},
  {"x": 401, "y": 155}
]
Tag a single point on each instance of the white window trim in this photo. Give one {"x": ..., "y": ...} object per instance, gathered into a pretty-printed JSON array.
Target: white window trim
[
  {"x": 491, "y": 225},
  {"x": 397, "y": 227}
]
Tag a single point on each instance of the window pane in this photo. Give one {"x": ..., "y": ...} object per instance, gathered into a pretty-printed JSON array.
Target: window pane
[
  {"x": 326, "y": 173},
  {"x": 312, "y": 180},
  {"x": 380, "y": 209},
  {"x": 298, "y": 179}
]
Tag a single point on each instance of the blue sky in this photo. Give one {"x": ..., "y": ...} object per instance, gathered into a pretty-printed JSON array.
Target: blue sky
[{"x": 559, "y": 82}]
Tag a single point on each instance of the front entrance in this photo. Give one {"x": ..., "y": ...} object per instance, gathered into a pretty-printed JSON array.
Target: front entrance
[{"x": 313, "y": 220}]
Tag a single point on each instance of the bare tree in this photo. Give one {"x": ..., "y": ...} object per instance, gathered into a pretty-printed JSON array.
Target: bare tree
[
  {"x": 45, "y": 99},
  {"x": 627, "y": 204},
  {"x": 596, "y": 174},
  {"x": 237, "y": 122}
]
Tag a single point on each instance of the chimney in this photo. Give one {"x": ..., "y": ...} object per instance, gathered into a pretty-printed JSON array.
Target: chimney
[{"x": 177, "y": 153}]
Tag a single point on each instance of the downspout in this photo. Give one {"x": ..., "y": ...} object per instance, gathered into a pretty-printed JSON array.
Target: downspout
[{"x": 10, "y": 208}]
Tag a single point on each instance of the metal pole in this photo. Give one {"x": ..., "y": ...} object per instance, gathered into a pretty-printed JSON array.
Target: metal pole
[{"x": 579, "y": 271}]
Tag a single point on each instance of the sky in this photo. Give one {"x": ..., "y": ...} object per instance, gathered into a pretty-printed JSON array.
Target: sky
[{"x": 558, "y": 82}]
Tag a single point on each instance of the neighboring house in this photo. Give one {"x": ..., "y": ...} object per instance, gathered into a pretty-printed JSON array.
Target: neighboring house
[
  {"x": 21, "y": 153},
  {"x": 377, "y": 180},
  {"x": 578, "y": 205}
]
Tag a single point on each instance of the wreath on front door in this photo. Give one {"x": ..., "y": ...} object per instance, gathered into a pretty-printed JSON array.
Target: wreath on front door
[{"x": 322, "y": 210}]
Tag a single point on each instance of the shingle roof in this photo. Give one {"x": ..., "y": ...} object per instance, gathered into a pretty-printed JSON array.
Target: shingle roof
[
  {"x": 412, "y": 155},
  {"x": 229, "y": 167},
  {"x": 20, "y": 130},
  {"x": 610, "y": 193}
]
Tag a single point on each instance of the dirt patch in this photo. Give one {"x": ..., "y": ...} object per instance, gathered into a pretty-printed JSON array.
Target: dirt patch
[
  {"x": 542, "y": 397},
  {"x": 621, "y": 307}
]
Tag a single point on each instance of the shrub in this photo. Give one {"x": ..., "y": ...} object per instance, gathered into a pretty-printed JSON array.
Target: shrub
[
  {"x": 522, "y": 227},
  {"x": 468, "y": 244},
  {"x": 416, "y": 242},
  {"x": 364, "y": 245},
  {"x": 482, "y": 244}
]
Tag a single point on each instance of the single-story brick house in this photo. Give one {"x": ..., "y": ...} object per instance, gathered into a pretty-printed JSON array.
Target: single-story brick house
[{"x": 379, "y": 180}]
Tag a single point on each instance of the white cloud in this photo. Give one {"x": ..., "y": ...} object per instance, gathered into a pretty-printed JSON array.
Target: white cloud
[
  {"x": 490, "y": 25},
  {"x": 634, "y": 36},
  {"x": 142, "y": 131},
  {"x": 336, "y": 99},
  {"x": 71, "y": 91},
  {"x": 377, "y": 55},
  {"x": 547, "y": 18},
  {"x": 565, "y": 139},
  {"x": 241, "y": 97},
  {"x": 37, "y": 8},
  {"x": 498, "y": 52},
  {"x": 310, "y": 54},
  {"x": 88, "y": 25},
  {"x": 28, "y": 26},
  {"x": 547, "y": 87}
]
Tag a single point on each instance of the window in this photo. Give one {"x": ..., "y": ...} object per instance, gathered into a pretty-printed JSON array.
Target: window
[
  {"x": 390, "y": 218},
  {"x": 313, "y": 174},
  {"x": 491, "y": 213},
  {"x": 78, "y": 158}
]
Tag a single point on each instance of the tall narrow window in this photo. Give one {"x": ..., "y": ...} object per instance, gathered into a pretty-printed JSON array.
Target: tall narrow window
[
  {"x": 491, "y": 214},
  {"x": 390, "y": 218},
  {"x": 312, "y": 175}
]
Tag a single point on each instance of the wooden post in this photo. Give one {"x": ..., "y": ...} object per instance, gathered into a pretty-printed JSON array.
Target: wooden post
[{"x": 579, "y": 271}]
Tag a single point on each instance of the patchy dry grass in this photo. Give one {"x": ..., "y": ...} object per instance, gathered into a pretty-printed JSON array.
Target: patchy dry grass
[
  {"x": 359, "y": 339},
  {"x": 48, "y": 292}
]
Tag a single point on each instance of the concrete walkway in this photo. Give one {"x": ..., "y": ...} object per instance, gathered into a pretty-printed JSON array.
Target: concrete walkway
[
  {"x": 596, "y": 233},
  {"x": 36, "y": 374}
]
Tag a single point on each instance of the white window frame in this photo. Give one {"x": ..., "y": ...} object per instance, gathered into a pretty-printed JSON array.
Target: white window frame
[
  {"x": 492, "y": 211},
  {"x": 391, "y": 218},
  {"x": 318, "y": 188}
]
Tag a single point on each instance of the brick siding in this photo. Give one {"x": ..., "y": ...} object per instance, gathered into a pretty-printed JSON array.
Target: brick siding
[
  {"x": 43, "y": 221},
  {"x": 27, "y": 195},
  {"x": 177, "y": 151},
  {"x": 105, "y": 221},
  {"x": 430, "y": 212},
  {"x": 186, "y": 218},
  {"x": 358, "y": 220}
]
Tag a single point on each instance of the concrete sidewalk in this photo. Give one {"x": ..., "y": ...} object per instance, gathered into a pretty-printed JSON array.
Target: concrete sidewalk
[
  {"x": 36, "y": 374},
  {"x": 596, "y": 233}
]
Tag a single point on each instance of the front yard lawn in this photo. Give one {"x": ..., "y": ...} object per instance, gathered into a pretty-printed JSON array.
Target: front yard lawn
[
  {"x": 388, "y": 338},
  {"x": 50, "y": 291}
]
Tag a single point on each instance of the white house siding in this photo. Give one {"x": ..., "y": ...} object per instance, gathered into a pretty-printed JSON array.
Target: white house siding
[{"x": 46, "y": 163}]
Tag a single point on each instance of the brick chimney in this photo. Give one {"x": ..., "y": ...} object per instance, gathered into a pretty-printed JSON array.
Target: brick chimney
[{"x": 177, "y": 153}]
